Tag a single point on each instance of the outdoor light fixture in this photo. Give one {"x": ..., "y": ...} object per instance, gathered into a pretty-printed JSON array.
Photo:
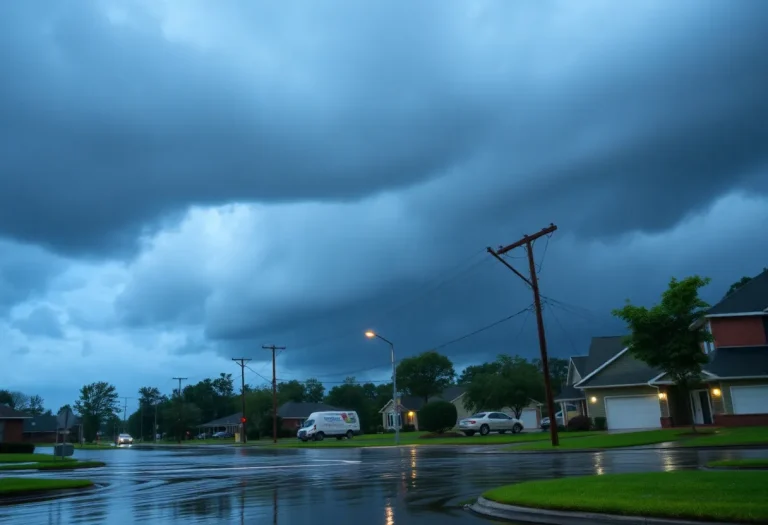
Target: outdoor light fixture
[
  {"x": 370, "y": 335},
  {"x": 662, "y": 395},
  {"x": 593, "y": 399},
  {"x": 410, "y": 414},
  {"x": 716, "y": 392}
]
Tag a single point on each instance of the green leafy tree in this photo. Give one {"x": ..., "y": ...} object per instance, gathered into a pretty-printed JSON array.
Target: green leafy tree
[
  {"x": 36, "y": 406},
  {"x": 6, "y": 398},
  {"x": 438, "y": 416},
  {"x": 741, "y": 282},
  {"x": 662, "y": 336},
  {"x": 469, "y": 373},
  {"x": 314, "y": 391},
  {"x": 352, "y": 396},
  {"x": 513, "y": 385},
  {"x": 558, "y": 372},
  {"x": 425, "y": 375},
  {"x": 98, "y": 403},
  {"x": 291, "y": 391},
  {"x": 65, "y": 407},
  {"x": 182, "y": 416},
  {"x": 14, "y": 399},
  {"x": 258, "y": 412}
]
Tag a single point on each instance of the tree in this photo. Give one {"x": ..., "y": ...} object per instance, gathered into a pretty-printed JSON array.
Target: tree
[
  {"x": 35, "y": 406},
  {"x": 741, "y": 282},
  {"x": 558, "y": 372},
  {"x": 6, "y": 398},
  {"x": 469, "y": 373},
  {"x": 98, "y": 403},
  {"x": 352, "y": 396},
  {"x": 313, "y": 391},
  {"x": 182, "y": 417},
  {"x": 513, "y": 385},
  {"x": 258, "y": 410},
  {"x": 66, "y": 406},
  {"x": 14, "y": 399},
  {"x": 662, "y": 336},
  {"x": 438, "y": 416},
  {"x": 290, "y": 391},
  {"x": 425, "y": 375}
]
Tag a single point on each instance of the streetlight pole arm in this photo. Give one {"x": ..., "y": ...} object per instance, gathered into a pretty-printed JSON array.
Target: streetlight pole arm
[{"x": 390, "y": 343}]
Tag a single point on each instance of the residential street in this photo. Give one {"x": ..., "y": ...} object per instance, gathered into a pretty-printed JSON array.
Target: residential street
[{"x": 357, "y": 486}]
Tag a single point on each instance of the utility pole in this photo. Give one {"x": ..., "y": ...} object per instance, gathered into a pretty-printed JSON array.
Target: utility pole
[
  {"x": 241, "y": 361},
  {"x": 178, "y": 423},
  {"x": 274, "y": 389},
  {"x": 528, "y": 241},
  {"x": 125, "y": 411}
]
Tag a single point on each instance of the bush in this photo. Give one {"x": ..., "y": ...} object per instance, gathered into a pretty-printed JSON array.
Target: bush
[
  {"x": 438, "y": 416},
  {"x": 561, "y": 428},
  {"x": 579, "y": 424},
  {"x": 17, "y": 448},
  {"x": 380, "y": 429},
  {"x": 601, "y": 423},
  {"x": 443, "y": 435},
  {"x": 409, "y": 428}
]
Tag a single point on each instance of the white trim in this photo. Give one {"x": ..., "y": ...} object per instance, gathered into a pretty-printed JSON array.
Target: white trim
[
  {"x": 709, "y": 400},
  {"x": 605, "y": 407},
  {"x": 617, "y": 386},
  {"x": 742, "y": 314},
  {"x": 655, "y": 380},
  {"x": 599, "y": 368},
  {"x": 730, "y": 378},
  {"x": 391, "y": 401}
]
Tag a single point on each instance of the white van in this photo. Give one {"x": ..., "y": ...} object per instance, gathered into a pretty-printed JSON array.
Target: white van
[{"x": 320, "y": 425}]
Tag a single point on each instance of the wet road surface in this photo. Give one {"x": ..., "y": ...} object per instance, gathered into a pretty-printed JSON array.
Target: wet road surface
[{"x": 388, "y": 486}]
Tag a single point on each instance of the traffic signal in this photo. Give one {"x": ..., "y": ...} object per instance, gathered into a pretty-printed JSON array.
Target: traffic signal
[{"x": 242, "y": 420}]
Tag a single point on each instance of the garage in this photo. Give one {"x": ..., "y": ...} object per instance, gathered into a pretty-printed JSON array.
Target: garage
[
  {"x": 751, "y": 399},
  {"x": 632, "y": 412},
  {"x": 529, "y": 419}
]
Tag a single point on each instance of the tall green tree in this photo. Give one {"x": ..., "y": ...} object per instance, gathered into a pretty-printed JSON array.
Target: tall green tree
[
  {"x": 6, "y": 398},
  {"x": 662, "y": 336},
  {"x": 352, "y": 396},
  {"x": 314, "y": 391},
  {"x": 469, "y": 373},
  {"x": 515, "y": 382},
  {"x": 98, "y": 403},
  {"x": 36, "y": 406},
  {"x": 741, "y": 282},
  {"x": 14, "y": 399},
  {"x": 558, "y": 372},
  {"x": 291, "y": 391},
  {"x": 425, "y": 375},
  {"x": 258, "y": 412}
]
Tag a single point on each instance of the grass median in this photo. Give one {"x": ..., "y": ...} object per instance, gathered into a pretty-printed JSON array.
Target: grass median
[
  {"x": 19, "y": 486},
  {"x": 700, "y": 495},
  {"x": 740, "y": 464},
  {"x": 43, "y": 462}
]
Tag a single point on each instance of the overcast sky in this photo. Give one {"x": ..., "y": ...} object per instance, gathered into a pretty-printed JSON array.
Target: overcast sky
[{"x": 183, "y": 181}]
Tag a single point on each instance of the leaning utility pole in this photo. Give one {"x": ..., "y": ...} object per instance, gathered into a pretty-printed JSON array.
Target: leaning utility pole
[
  {"x": 241, "y": 361},
  {"x": 527, "y": 241},
  {"x": 125, "y": 411},
  {"x": 178, "y": 423},
  {"x": 274, "y": 389}
]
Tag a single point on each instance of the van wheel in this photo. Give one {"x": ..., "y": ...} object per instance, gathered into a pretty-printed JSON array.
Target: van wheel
[
  {"x": 485, "y": 430},
  {"x": 350, "y": 434},
  {"x": 319, "y": 436}
]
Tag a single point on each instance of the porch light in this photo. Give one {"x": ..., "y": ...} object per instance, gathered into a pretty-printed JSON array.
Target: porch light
[
  {"x": 410, "y": 414},
  {"x": 593, "y": 399},
  {"x": 716, "y": 392},
  {"x": 662, "y": 395}
]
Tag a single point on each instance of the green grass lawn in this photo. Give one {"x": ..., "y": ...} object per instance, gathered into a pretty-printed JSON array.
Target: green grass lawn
[
  {"x": 603, "y": 440},
  {"x": 11, "y": 486},
  {"x": 740, "y": 463},
  {"x": 731, "y": 436},
  {"x": 25, "y": 458},
  {"x": 86, "y": 446},
  {"x": 43, "y": 462},
  {"x": 724, "y": 496}
]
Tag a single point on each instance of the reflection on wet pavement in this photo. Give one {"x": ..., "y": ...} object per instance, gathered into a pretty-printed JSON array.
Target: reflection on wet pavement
[{"x": 294, "y": 486}]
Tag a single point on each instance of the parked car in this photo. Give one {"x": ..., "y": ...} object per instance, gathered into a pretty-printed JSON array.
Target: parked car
[
  {"x": 487, "y": 422},
  {"x": 223, "y": 435},
  {"x": 573, "y": 411},
  {"x": 320, "y": 425},
  {"x": 124, "y": 439}
]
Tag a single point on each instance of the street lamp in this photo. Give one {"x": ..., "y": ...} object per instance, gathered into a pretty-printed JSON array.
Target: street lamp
[{"x": 370, "y": 334}]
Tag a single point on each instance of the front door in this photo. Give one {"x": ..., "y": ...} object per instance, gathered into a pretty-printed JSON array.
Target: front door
[{"x": 702, "y": 412}]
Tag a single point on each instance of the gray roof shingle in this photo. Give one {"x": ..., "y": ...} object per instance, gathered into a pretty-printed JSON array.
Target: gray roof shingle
[
  {"x": 569, "y": 393},
  {"x": 580, "y": 362},
  {"x": 742, "y": 361},
  {"x": 292, "y": 410},
  {"x": 46, "y": 424},
  {"x": 601, "y": 349},
  {"x": 752, "y": 297},
  {"x": 417, "y": 403},
  {"x": 227, "y": 421},
  {"x": 7, "y": 412}
]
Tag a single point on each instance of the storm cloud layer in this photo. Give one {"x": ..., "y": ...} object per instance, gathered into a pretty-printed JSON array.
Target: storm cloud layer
[{"x": 182, "y": 179}]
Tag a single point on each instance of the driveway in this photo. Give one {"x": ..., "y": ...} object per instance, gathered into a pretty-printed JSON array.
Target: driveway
[{"x": 388, "y": 486}]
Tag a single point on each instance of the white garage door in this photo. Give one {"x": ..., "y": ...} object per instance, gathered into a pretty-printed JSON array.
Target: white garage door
[
  {"x": 750, "y": 399},
  {"x": 632, "y": 412},
  {"x": 528, "y": 417}
]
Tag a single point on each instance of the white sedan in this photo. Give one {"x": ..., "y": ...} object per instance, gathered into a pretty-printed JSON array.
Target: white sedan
[
  {"x": 487, "y": 422},
  {"x": 124, "y": 439}
]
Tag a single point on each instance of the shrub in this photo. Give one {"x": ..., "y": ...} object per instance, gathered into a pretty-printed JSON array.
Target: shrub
[
  {"x": 409, "y": 428},
  {"x": 561, "y": 428},
  {"x": 601, "y": 423},
  {"x": 443, "y": 435},
  {"x": 438, "y": 416},
  {"x": 17, "y": 448},
  {"x": 390, "y": 430},
  {"x": 380, "y": 429},
  {"x": 579, "y": 424}
]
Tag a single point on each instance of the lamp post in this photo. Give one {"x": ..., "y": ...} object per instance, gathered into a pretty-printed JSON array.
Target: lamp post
[{"x": 370, "y": 334}]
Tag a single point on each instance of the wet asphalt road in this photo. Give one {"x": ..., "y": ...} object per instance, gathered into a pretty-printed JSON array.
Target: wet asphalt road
[{"x": 388, "y": 486}]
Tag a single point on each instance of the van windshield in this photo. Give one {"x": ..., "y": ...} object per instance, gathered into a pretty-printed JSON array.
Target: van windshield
[{"x": 309, "y": 423}]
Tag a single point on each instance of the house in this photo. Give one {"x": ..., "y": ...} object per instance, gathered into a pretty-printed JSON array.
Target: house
[
  {"x": 572, "y": 400},
  {"x": 294, "y": 414},
  {"x": 410, "y": 406},
  {"x": 11, "y": 424},
  {"x": 44, "y": 429},
  {"x": 734, "y": 383},
  {"x": 229, "y": 424}
]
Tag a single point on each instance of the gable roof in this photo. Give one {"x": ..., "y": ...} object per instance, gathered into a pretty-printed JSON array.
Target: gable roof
[
  {"x": 570, "y": 393},
  {"x": 292, "y": 410},
  {"x": 606, "y": 351},
  {"x": 7, "y": 412},
  {"x": 450, "y": 394},
  {"x": 742, "y": 361},
  {"x": 580, "y": 363},
  {"x": 226, "y": 421},
  {"x": 750, "y": 298},
  {"x": 46, "y": 424}
]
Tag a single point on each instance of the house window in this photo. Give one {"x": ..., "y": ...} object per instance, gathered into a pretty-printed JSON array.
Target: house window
[{"x": 391, "y": 420}]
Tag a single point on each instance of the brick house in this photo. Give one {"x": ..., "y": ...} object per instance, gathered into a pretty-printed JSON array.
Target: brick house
[{"x": 11, "y": 424}]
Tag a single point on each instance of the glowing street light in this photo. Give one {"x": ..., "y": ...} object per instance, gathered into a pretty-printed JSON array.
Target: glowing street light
[{"x": 370, "y": 334}]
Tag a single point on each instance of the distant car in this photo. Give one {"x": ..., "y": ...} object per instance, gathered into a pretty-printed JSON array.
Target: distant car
[
  {"x": 487, "y": 422},
  {"x": 223, "y": 435},
  {"x": 124, "y": 439}
]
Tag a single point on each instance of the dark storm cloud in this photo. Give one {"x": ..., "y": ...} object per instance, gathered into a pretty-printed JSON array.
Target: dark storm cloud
[
  {"x": 24, "y": 272},
  {"x": 650, "y": 108},
  {"x": 42, "y": 321}
]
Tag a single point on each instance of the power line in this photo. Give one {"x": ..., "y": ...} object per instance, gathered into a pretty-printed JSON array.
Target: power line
[
  {"x": 543, "y": 255},
  {"x": 483, "y": 329},
  {"x": 557, "y": 320}
]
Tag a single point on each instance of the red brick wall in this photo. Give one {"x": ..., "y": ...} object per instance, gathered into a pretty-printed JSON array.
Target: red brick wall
[
  {"x": 14, "y": 430},
  {"x": 738, "y": 331},
  {"x": 741, "y": 420},
  {"x": 291, "y": 424}
]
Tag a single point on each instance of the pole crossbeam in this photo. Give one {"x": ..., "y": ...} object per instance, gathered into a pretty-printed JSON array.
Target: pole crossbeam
[{"x": 533, "y": 282}]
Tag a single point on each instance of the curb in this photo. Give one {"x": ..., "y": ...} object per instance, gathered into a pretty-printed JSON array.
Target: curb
[
  {"x": 517, "y": 514},
  {"x": 668, "y": 446}
]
